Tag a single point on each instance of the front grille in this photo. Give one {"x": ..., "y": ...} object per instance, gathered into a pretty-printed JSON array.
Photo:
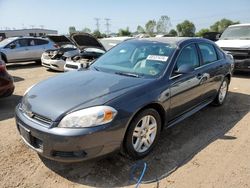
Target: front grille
[
  {"x": 71, "y": 66},
  {"x": 41, "y": 119},
  {"x": 69, "y": 154},
  {"x": 238, "y": 53}
]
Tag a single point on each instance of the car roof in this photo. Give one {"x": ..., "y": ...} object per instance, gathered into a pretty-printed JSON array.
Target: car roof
[
  {"x": 236, "y": 25},
  {"x": 26, "y": 37},
  {"x": 174, "y": 40}
]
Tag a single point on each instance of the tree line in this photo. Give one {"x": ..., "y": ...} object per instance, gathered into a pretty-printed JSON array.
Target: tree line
[{"x": 163, "y": 27}]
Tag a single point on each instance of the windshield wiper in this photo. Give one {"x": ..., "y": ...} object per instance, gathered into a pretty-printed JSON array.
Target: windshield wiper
[
  {"x": 96, "y": 68},
  {"x": 128, "y": 74}
]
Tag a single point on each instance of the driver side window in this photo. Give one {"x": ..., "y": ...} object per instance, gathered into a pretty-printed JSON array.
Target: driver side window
[{"x": 189, "y": 56}]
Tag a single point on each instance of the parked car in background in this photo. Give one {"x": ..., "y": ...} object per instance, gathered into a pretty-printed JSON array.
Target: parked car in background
[
  {"x": 236, "y": 41},
  {"x": 6, "y": 81},
  {"x": 124, "y": 99},
  {"x": 90, "y": 54},
  {"x": 22, "y": 49},
  {"x": 55, "y": 58},
  {"x": 213, "y": 36}
]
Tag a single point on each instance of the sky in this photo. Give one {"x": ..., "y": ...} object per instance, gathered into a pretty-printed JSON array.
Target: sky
[{"x": 60, "y": 14}]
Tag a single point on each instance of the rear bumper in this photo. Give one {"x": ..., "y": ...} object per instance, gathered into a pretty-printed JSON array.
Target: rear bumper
[
  {"x": 53, "y": 64},
  {"x": 65, "y": 144}
]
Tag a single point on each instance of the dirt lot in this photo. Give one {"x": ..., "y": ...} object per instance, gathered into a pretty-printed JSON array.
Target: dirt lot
[{"x": 209, "y": 149}]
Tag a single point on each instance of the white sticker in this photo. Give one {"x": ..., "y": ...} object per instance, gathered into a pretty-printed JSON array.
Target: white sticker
[{"x": 157, "y": 58}]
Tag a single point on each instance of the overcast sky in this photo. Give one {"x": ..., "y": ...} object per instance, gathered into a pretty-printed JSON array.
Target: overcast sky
[{"x": 59, "y": 14}]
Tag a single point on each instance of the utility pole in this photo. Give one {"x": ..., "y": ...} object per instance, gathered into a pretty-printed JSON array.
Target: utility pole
[
  {"x": 107, "y": 26},
  {"x": 97, "y": 24}
]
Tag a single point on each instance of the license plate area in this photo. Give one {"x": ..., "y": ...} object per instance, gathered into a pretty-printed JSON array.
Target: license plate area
[{"x": 25, "y": 133}]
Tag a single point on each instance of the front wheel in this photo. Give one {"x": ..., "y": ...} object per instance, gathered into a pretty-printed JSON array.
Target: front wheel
[
  {"x": 143, "y": 133},
  {"x": 222, "y": 94}
]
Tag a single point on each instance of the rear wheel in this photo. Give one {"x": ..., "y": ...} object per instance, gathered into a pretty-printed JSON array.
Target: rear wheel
[
  {"x": 222, "y": 94},
  {"x": 143, "y": 133}
]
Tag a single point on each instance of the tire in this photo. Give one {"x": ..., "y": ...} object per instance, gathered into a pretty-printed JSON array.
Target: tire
[
  {"x": 137, "y": 138},
  {"x": 222, "y": 94}
]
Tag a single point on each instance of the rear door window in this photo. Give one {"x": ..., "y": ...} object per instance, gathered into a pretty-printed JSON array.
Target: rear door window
[
  {"x": 41, "y": 42},
  {"x": 208, "y": 53},
  {"x": 23, "y": 42}
]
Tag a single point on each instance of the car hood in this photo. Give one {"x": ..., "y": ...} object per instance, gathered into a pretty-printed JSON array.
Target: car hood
[
  {"x": 233, "y": 43},
  {"x": 85, "y": 40},
  {"x": 56, "y": 96},
  {"x": 60, "y": 39}
]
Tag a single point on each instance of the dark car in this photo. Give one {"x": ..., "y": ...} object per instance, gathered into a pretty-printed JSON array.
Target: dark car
[
  {"x": 213, "y": 36},
  {"x": 6, "y": 81},
  {"x": 124, "y": 99}
]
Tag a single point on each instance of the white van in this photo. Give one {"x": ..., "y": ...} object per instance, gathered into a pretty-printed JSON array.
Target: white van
[{"x": 236, "y": 40}]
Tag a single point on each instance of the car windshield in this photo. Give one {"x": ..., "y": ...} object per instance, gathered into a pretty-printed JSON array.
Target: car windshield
[
  {"x": 237, "y": 32},
  {"x": 4, "y": 42},
  {"x": 136, "y": 58}
]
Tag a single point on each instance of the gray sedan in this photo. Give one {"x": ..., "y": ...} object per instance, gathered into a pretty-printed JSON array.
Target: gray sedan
[{"x": 21, "y": 49}]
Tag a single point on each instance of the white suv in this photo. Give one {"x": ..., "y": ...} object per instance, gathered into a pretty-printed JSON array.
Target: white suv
[{"x": 21, "y": 49}]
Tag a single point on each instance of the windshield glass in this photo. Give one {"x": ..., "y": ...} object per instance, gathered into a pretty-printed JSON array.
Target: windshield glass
[
  {"x": 237, "y": 32},
  {"x": 6, "y": 41},
  {"x": 136, "y": 58}
]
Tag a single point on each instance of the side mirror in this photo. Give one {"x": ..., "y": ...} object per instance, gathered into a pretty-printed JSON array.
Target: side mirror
[
  {"x": 185, "y": 69},
  {"x": 12, "y": 46}
]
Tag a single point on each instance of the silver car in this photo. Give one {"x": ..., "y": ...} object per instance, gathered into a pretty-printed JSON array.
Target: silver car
[{"x": 21, "y": 49}]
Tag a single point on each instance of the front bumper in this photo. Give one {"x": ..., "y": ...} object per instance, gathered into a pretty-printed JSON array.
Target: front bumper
[
  {"x": 53, "y": 64},
  {"x": 242, "y": 64},
  {"x": 65, "y": 144}
]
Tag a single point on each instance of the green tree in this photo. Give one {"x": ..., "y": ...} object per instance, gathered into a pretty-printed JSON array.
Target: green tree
[
  {"x": 201, "y": 32},
  {"x": 124, "y": 32},
  {"x": 163, "y": 25},
  {"x": 97, "y": 34},
  {"x": 86, "y": 30},
  {"x": 140, "y": 29},
  {"x": 173, "y": 33},
  {"x": 186, "y": 29},
  {"x": 222, "y": 24},
  {"x": 72, "y": 29},
  {"x": 150, "y": 27}
]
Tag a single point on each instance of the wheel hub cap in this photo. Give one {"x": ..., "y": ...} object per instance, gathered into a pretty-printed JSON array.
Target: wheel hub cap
[{"x": 144, "y": 133}]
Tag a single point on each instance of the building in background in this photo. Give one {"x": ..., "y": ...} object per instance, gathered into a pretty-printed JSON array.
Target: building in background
[{"x": 26, "y": 32}]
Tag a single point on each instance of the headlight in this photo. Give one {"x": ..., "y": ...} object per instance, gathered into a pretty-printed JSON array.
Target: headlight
[{"x": 89, "y": 117}]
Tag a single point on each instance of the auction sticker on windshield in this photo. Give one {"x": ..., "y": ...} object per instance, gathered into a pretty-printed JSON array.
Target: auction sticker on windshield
[{"x": 157, "y": 58}]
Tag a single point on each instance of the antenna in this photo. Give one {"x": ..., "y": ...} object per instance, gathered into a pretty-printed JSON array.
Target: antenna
[
  {"x": 107, "y": 25},
  {"x": 97, "y": 24}
]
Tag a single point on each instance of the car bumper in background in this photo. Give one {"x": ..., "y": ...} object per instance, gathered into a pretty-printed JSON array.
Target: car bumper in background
[
  {"x": 70, "y": 65},
  {"x": 242, "y": 65},
  {"x": 53, "y": 64}
]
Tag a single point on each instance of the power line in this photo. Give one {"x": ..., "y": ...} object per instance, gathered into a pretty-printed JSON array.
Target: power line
[
  {"x": 107, "y": 25},
  {"x": 97, "y": 24}
]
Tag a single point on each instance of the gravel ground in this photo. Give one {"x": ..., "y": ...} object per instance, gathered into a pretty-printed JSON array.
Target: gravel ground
[{"x": 209, "y": 149}]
